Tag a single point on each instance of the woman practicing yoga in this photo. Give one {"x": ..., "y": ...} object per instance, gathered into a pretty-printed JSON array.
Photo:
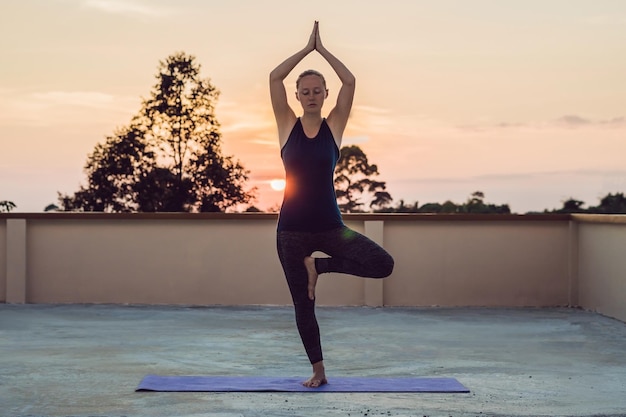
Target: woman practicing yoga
[{"x": 309, "y": 218}]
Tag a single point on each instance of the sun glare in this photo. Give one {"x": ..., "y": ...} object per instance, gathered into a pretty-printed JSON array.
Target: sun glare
[{"x": 277, "y": 184}]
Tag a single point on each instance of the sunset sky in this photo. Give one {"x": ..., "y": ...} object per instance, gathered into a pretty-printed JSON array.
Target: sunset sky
[{"x": 523, "y": 100}]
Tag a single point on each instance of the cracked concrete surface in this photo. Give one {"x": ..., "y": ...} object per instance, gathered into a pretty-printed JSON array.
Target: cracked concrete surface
[{"x": 86, "y": 360}]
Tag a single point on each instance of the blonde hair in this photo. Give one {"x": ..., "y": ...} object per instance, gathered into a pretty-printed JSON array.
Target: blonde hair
[{"x": 310, "y": 72}]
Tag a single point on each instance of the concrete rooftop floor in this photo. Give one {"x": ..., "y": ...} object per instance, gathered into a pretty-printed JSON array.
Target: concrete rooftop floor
[{"x": 87, "y": 360}]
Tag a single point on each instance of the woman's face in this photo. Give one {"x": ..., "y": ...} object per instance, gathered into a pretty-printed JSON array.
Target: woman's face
[{"x": 311, "y": 93}]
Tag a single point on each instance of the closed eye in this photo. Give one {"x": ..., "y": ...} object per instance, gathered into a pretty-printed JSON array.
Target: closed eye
[{"x": 316, "y": 91}]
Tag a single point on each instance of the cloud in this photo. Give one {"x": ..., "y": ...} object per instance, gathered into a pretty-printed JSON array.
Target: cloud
[
  {"x": 126, "y": 7},
  {"x": 265, "y": 142},
  {"x": 73, "y": 98},
  {"x": 248, "y": 126},
  {"x": 522, "y": 176},
  {"x": 569, "y": 121},
  {"x": 573, "y": 120},
  {"x": 267, "y": 177},
  {"x": 371, "y": 109},
  {"x": 354, "y": 140},
  {"x": 510, "y": 125},
  {"x": 614, "y": 122},
  {"x": 370, "y": 119},
  {"x": 57, "y": 107}
]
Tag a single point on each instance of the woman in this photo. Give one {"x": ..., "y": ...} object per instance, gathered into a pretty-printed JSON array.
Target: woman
[{"x": 309, "y": 218}]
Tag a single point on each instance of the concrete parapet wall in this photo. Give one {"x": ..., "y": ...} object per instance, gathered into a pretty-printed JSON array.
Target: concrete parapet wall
[
  {"x": 3, "y": 260},
  {"x": 479, "y": 263},
  {"x": 602, "y": 264},
  {"x": 231, "y": 259}
]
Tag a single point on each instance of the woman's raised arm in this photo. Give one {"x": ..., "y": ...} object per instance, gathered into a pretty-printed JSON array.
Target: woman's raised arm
[
  {"x": 338, "y": 117},
  {"x": 285, "y": 116}
]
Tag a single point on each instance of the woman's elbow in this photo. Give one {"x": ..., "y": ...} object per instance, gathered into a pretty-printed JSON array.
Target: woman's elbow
[
  {"x": 349, "y": 81},
  {"x": 276, "y": 76}
]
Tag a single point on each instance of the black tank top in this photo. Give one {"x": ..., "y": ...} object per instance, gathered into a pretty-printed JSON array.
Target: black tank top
[{"x": 310, "y": 202}]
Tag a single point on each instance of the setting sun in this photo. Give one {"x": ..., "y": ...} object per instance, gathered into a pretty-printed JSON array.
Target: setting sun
[{"x": 277, "y": 184}]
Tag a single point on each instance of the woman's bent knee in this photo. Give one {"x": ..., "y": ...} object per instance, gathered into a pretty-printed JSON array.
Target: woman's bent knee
[{"x": 384, "y": 266}]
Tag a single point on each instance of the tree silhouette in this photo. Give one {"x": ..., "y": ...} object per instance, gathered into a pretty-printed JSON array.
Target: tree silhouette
[
  {"x": 6, "y": 206},
  {"x": 449, "y": 207},
  {"x": 476, "y": 204},
  {"x": 402, "y": 207},
  {"x": 430, "y": 208},
  {"x": 611, "y": 204},
  {"x": 354, "y": 181},
  {"x": 118, "y": 172},
  {"x": 169, "y": 158},
  {"x": 571, "y": 205}
]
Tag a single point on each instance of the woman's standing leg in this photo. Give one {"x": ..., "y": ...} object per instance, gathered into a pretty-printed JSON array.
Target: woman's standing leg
[{"x": 293, "y": 247}]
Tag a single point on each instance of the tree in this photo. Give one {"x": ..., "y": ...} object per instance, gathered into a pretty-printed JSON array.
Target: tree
[
  {"x": 354, "y": 181},
  {"x": 611, "y": 204},
  {"x": 402, "y": 207},
  {"x": 571, "y": 205},
  {"x": 6, "y": 206},
  {"x": 476, "y": 204},
  {"x": 118, "y": 175},
  {"x": 169, "y": 157},
  {"x": 431, "y": 208},
  {"x": 449, "y": 207}
]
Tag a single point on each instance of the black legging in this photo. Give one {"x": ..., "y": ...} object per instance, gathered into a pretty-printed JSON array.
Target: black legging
[{"x": 350, "y": 253}]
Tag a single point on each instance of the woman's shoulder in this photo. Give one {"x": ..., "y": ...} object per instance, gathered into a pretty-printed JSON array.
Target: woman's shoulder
[
  {"x": 289, "y": 131},
  {"x": 328, "y": 126}
]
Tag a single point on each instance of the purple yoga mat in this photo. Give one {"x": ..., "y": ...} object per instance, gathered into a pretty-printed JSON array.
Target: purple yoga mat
[{"x": 290, "y": 384}]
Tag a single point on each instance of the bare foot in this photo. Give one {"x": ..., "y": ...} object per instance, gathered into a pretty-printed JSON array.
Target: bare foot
[
  {"x": 309, "y": 263},
  {"x": 315, "y": 382},
  {"x": 319, "y": 376}
]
